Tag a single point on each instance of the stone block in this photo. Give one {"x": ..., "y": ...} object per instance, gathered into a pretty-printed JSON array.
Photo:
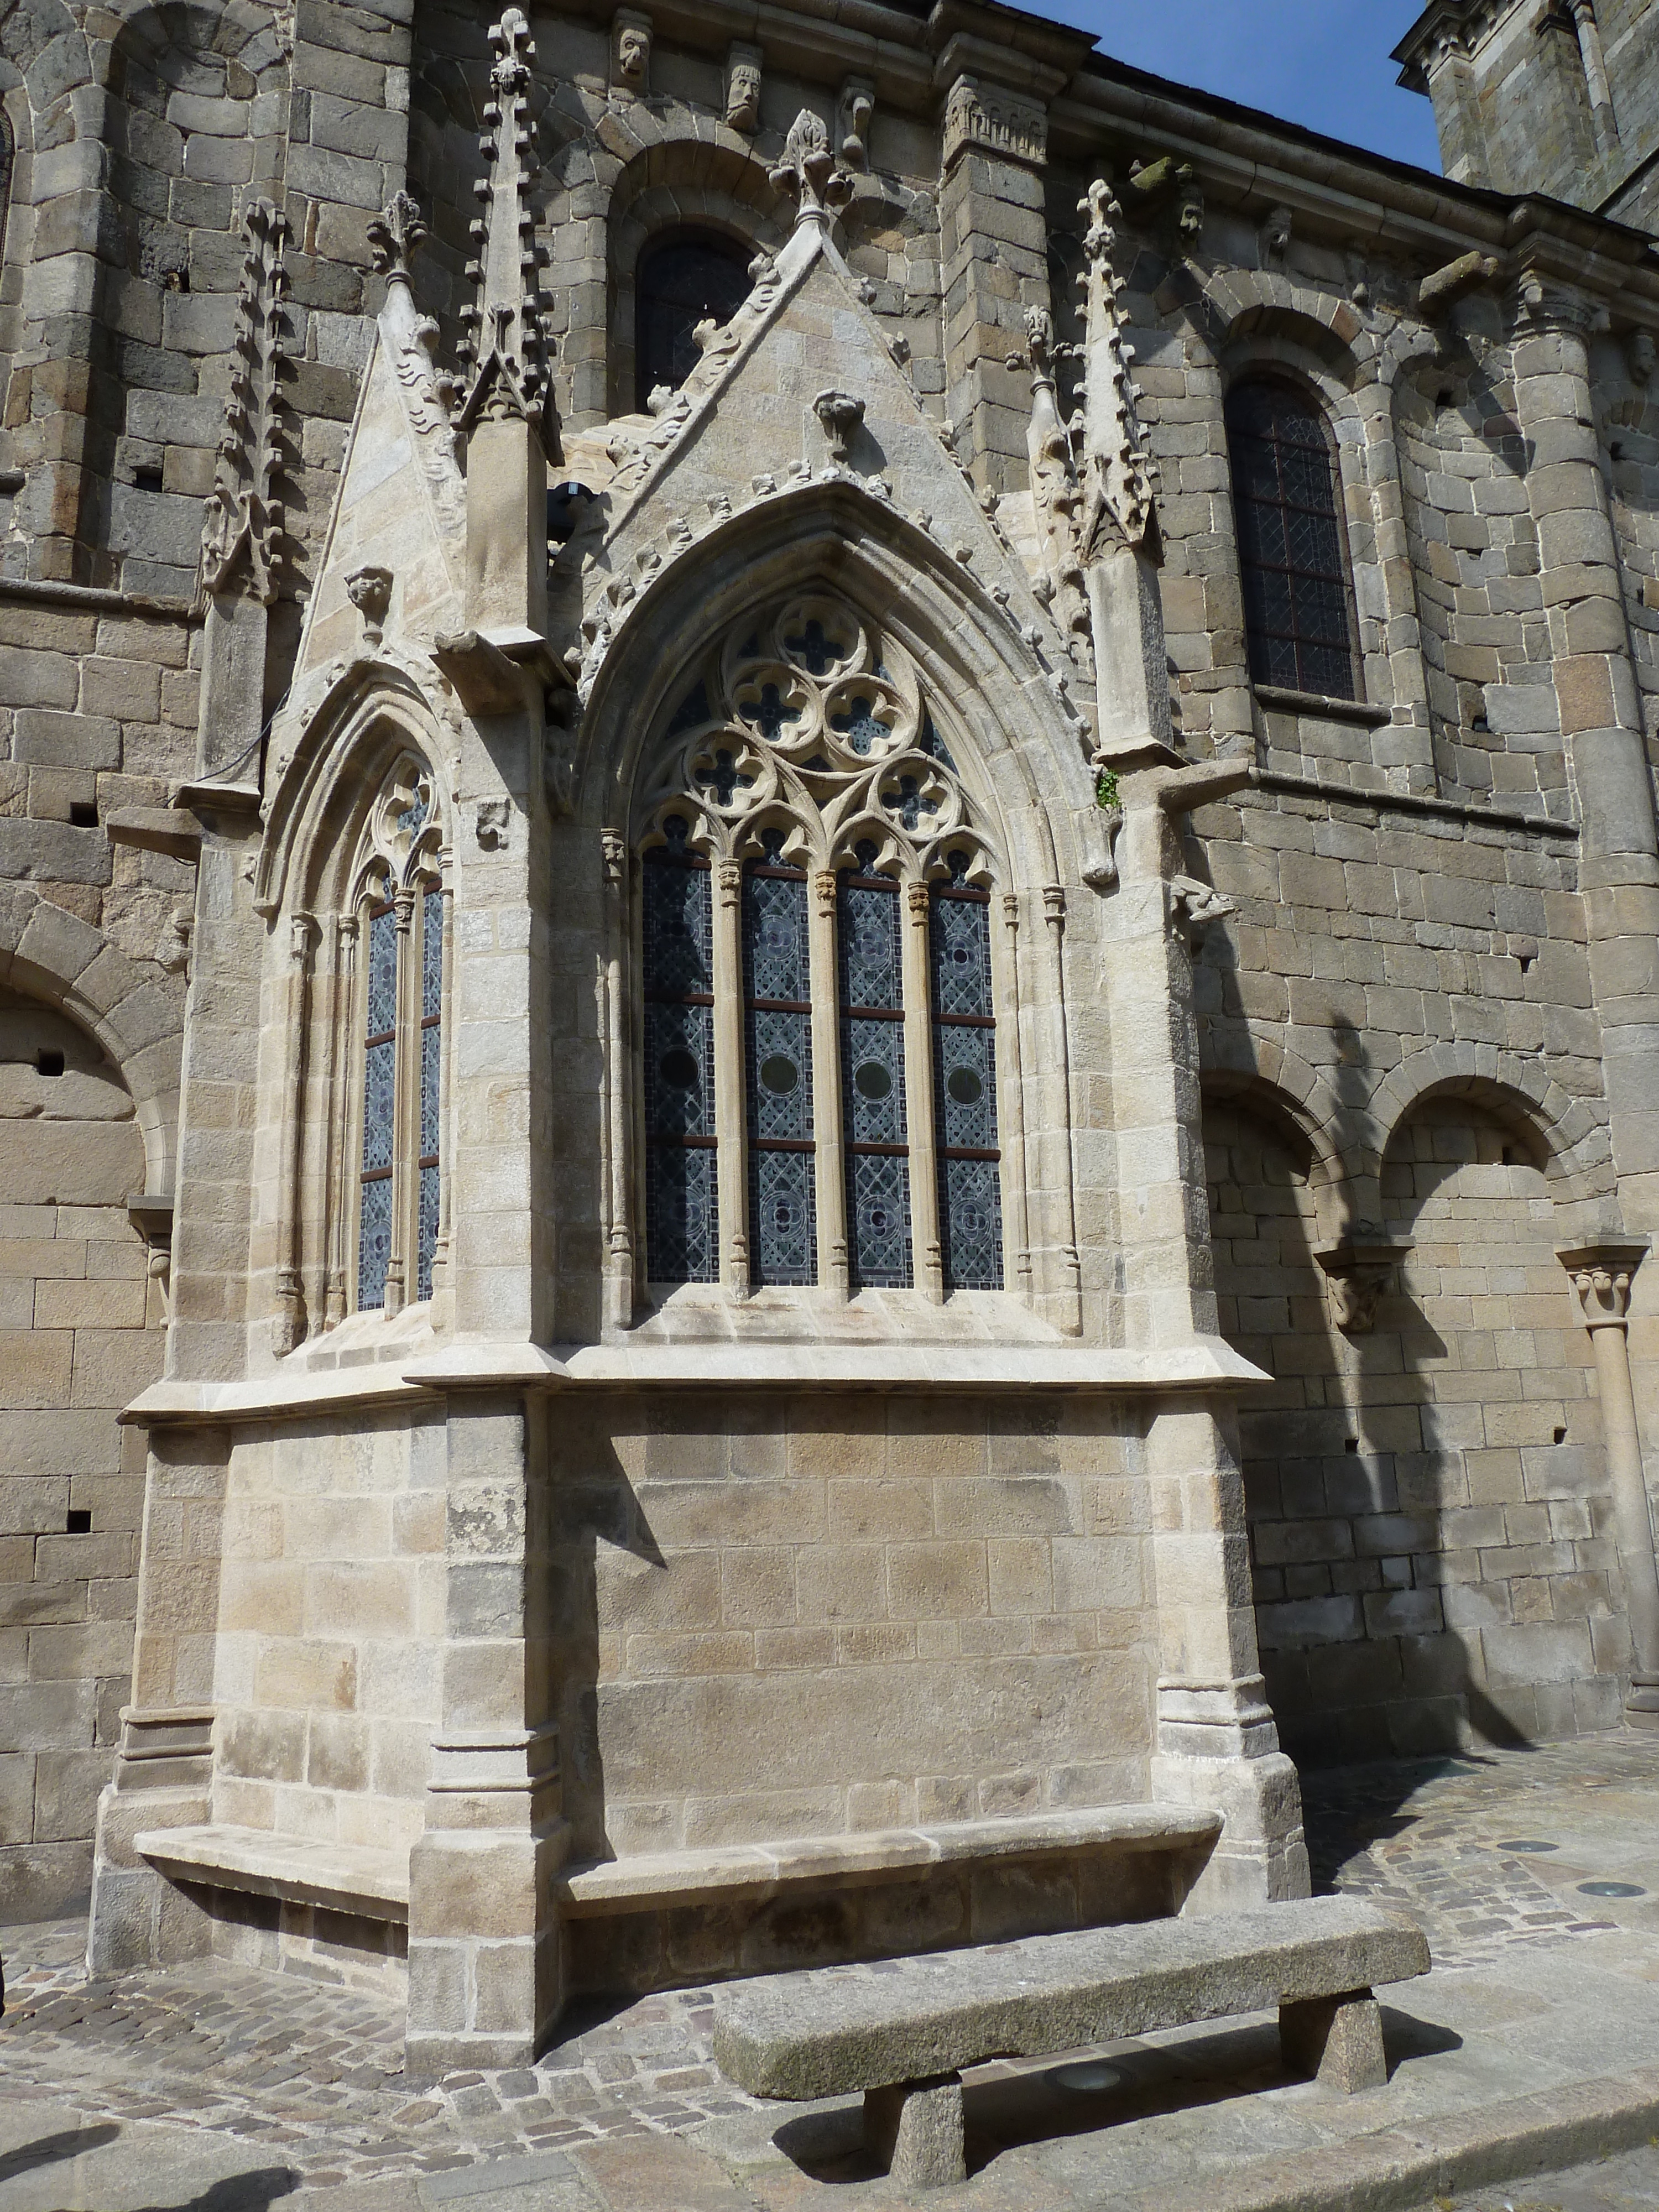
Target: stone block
[{"x": 49, "y": 739}]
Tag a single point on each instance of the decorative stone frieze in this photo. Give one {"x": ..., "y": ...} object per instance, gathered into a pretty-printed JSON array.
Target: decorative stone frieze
[{"x": 998, "y": 121}]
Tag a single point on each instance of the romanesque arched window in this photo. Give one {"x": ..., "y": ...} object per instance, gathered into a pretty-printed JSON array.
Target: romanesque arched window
[
  {"x": 1287, "y": 501},
  {"x": 397, "y": 915},
  {"x": 820, "y": 1052},
  {"x": 684, "y": 279}
]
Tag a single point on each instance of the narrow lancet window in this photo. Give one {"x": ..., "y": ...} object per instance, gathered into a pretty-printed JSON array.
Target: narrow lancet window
[
  {"x": 965, "y": 1083},
  {"x": 1291, "y": 549},
  {"x": 870, "y": 948},
  {"x": 778, "y": 1058},
  {"x": 379, "y": 1109},
  {"x": 432, "y": 1000},
  {"x": 682, "y": 1203}
]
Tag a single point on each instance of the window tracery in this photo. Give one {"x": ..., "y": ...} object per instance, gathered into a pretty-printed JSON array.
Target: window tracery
[
  {"x": 819, "y": 987},
  {"x": 397, "y": 912}
]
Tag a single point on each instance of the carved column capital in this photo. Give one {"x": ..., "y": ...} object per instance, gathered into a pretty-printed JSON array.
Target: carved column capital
[
  {"x": 1357, "y": 1271},
  {"x": 1600, "y": 1275}
]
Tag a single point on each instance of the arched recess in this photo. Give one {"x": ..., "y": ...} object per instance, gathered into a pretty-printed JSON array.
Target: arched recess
[
  {"x": 1565, "y": 1134},
  {"x": 1297, "y": 1104},
  {"x": 134, "y": 1011},
  {"x": 1016, "y": 753},
  {"x": 183, "y": 80},
  {"x": 1246, "y": 322},
  {"x": 371, "y": 776}
]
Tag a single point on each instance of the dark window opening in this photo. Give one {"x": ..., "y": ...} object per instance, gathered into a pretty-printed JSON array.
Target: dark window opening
[
  {"x": 1290, "y": 542},
  {"x": 147, "y": 479},
  {"x": 48, "y": 1063},
  {"x": 78, "y": 1521},
  {"x": 83, "y": 814},
  {"x": 687, "y": 278}
]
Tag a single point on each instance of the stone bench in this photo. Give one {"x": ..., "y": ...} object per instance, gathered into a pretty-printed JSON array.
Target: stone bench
[
  {"x": 349, "y": 1878},
  {"x": 902, "y": 2030}
]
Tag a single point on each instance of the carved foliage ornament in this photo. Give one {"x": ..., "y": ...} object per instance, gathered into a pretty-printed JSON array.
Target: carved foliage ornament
[
  {"x": 986, "y": 116},
  {"x": 1118, "y": 475},
  {"x": 242, "y": 521},
  {"x": 809, "y": 722},
  {"x": 808, "y": 171},
  {"x": 1057, "y": 498}
]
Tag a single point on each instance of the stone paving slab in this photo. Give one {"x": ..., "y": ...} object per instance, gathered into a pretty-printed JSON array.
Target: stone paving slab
[{"x": 1536, "y": 1990}]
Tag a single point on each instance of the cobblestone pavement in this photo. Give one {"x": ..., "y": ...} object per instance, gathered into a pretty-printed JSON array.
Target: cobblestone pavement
[{"x": 312, "y": 2075}]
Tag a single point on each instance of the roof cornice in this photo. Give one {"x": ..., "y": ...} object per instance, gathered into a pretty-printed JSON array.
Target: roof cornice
[{"x": 1455, "y": 23}]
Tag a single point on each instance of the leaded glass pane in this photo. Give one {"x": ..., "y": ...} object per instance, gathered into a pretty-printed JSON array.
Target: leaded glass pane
[
  {"x": 380, "y": 1092},
  {"x": 682, "y": 1215},
  {"x": 970, "y": 1219},
  {"x": 1286, "y": 498},
  {"x": 427, "y": 1227},
  {"x": 873, "y": 1071},
  {"x": 783, "y": 1224},
  {"x": 374, "y": 1242},
  {"x": 871, "y": 960},
  {"x": 778, "y": 1069},
  {"x": 965, "y": 1086},
  {"x": 382, "y": 973},
  {"x": 878, "y": 1219},
  {"x": 682, "y": 1211}
]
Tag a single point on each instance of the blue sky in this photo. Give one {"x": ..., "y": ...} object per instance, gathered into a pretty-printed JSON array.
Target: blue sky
[{"x": 1322, "y": 63}]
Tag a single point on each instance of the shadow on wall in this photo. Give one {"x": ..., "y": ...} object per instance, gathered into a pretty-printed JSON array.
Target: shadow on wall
[{"x": 1429, "y": 1522}]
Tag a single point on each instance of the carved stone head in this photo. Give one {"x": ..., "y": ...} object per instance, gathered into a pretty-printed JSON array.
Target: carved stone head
[
  {"x": 630, "y": 50},
  {"x": 743, "y": 89}
]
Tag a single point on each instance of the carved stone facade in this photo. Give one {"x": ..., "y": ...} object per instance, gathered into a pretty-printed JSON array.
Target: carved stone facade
[{"x": 746, "y": 1098}]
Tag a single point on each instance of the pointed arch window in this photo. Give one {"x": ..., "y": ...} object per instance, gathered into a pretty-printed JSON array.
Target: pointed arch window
[
  {"x": 1292, "y": 558},
  {"x": 400, "y": 924},
  {"x": 685, "y": 277},
  {"x": 820, "y": 976}
]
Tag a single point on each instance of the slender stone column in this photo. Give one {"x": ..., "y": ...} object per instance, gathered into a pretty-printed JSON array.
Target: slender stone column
[
  {"x": 1600, "y": 1275},
  {"x": 1601, "y": 727}
]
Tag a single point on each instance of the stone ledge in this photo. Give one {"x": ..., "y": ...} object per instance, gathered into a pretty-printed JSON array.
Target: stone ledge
[
  {"x": 340, "y": 1877},
  {"x": 652, "y": 1880}
]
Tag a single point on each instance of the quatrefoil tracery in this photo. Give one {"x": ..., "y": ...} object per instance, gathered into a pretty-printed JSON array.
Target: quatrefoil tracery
[
  {"x": 807, "y": 722},
  {"x": 405, "y": 834}
]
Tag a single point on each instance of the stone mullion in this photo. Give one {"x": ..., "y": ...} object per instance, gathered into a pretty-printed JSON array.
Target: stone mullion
[
  {"x": 834, "y": 1271},
  {"x": 730, "y": 1161},
  {"x": 1060, "y": 1281},
  {"x": 920, "y": 1133},
  {"x": 621, "y": 1243},
  {"x": 1011, "y": 1096},
  {"x": 345, "y": 1121}
]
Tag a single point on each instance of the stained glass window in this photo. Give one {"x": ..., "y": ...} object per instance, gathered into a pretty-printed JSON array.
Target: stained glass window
[
  {"x": 778, "y": 1066},
  {"x": 682, "y": 1208},
  {"x": 871, "y": 1011},
  {"x": 380, "y": 1103},
  {"x": 1289, "y": 541},
  {"x": 965, "y": 1084},
  {"x": 687, "y": 278},
  {"x": 432, "y": 987}
]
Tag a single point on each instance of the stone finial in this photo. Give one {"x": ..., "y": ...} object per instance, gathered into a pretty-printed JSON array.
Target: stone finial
[
  {"x": 854, "y": 112},
  {"x": 506, "y": 352},
  {"x": 369, "y": 590},
  {"x": 631, "y": 35},
  {"x": 1120, "y": 504},
  {"x": 1601, "y": 1275},
  {"x": 242, "y": 521},
  {"x": 840, "y": 415},
  {"x": 744, "y": 66},
  {"x": 808, "y": 171},
  {"x": 396, "y": 236},
  {"x": 1055, "y": 494}
]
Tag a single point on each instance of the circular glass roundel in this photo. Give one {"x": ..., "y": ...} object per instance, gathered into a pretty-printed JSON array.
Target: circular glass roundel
[
  {"x": 872, "y": 1080},
  {"x": 678, "y": 1067},
  {"x": 879, "y": 1218},
  {"x": 780, "y": 1074},
  {"x": 964, "y": 1086}
]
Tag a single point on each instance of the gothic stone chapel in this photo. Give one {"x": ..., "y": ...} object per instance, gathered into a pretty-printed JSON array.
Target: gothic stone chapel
[{"x": 829, "y": 973}]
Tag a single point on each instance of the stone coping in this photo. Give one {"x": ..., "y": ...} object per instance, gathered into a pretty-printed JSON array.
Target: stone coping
[
  {"x": 343, "y": 1877},
  {"x": 1200, "y": 1363},
  {"x": 651, "y": 1880}
]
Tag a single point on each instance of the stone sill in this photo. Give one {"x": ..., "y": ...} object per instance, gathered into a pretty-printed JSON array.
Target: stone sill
[
  {"x": 341, "y": 1877},
  {"x": 1411, "y": 802},
  {"x": 1201, "y": 1364},
  {"x": 1278, "y": 700},
  {"x": 651, "y": 1881}
]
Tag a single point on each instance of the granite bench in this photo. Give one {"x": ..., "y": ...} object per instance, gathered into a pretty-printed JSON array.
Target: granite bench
[{"x": 902, "y": 2030}]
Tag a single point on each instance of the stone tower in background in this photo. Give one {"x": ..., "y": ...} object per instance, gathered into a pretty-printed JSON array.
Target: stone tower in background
[{"x": 1554, "y": 96}]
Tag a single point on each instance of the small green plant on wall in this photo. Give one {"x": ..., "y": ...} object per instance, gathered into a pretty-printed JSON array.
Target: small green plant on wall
[{"x": 1107, "y": 797}]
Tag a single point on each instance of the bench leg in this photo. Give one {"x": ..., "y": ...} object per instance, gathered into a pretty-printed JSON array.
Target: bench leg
[
  {"x": 1337, "y": 2038},
  {"x": 914, "y": 2129}
]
